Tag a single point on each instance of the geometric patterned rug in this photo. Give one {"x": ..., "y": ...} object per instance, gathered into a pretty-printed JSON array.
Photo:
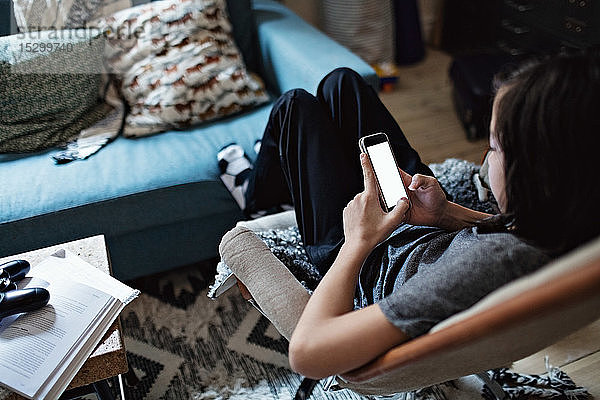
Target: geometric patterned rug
[{"x": 183, "y": 345}]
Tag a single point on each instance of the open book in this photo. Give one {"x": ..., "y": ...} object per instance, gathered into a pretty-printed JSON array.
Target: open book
[{"x": 42, "y": 350}]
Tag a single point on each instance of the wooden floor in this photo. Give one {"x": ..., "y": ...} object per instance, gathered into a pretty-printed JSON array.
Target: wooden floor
[{"x": 423, "y": 108}]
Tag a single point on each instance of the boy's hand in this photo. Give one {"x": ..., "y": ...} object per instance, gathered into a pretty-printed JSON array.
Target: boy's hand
[
  {"x": 428, "y": 200},
  {"x": 365, "y": 223}
]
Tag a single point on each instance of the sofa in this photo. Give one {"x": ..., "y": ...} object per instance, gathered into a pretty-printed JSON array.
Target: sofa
[
  {"x": 510, "y": 323},
  {"x": 158, "y": 199}
]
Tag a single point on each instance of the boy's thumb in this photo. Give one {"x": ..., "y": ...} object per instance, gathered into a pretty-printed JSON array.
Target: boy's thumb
[{"x": 400, "y": 210}]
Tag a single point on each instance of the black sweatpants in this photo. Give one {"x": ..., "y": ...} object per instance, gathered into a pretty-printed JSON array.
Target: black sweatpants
[{"x": 309, "y": 157}]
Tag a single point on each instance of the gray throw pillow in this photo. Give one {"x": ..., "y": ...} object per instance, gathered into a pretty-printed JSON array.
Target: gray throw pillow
[{"x": 50, "y": 88}]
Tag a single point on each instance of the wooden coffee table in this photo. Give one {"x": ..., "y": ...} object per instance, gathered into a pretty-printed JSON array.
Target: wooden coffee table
[{"x": 108, "y": 359}]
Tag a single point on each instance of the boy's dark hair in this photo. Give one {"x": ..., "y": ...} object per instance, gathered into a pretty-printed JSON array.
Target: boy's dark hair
[{"x": 548, "y": 126}]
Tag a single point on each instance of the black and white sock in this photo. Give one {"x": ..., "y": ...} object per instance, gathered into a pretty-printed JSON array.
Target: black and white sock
[{"x": 235, "y": 167}]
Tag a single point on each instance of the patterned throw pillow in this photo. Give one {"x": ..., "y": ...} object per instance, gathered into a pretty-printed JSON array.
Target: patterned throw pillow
[
  {"x": 50, "y": 88},
  {"x": 176, "y": 65}
]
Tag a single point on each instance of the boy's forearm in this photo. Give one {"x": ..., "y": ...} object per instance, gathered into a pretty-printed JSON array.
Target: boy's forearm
[
  {"x": 335, "y": 293},
  {"x": 458, "y": 217}
]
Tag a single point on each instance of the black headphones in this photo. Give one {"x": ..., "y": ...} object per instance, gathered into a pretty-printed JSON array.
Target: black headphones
[
  {"x": 12, "y": 272},
  {"x": 14, "y": 300}
]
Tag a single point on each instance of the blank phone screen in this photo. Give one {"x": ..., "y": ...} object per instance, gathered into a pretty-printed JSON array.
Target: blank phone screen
[{"x": 387, "y": 173}]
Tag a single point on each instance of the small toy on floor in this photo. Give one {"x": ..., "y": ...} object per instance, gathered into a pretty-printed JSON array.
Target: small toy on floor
[{"x": 388, "y": 75}]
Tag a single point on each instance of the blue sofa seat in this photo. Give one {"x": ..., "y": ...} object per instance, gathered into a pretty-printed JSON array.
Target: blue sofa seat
[{"x": 159, "y": 200}]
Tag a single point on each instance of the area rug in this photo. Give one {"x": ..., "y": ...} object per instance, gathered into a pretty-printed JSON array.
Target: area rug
[{"x": 183, "y": 345}]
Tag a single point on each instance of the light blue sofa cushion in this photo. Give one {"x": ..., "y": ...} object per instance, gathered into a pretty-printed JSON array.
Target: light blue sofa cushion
[{"x": 124, "y": 167}]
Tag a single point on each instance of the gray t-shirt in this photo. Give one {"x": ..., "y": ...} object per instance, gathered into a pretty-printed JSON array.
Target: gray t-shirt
[{"x": 422, "y": 275}]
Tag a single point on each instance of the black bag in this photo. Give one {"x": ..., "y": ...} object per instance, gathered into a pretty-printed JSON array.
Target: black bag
[{"x": 472, "y": 90}]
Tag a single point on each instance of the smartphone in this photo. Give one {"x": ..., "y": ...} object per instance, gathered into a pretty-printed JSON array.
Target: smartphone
[{"x": 389, "y": 181}]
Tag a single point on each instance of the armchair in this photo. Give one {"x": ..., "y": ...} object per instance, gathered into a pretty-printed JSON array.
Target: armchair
[{"x": 514, "y": 321}]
